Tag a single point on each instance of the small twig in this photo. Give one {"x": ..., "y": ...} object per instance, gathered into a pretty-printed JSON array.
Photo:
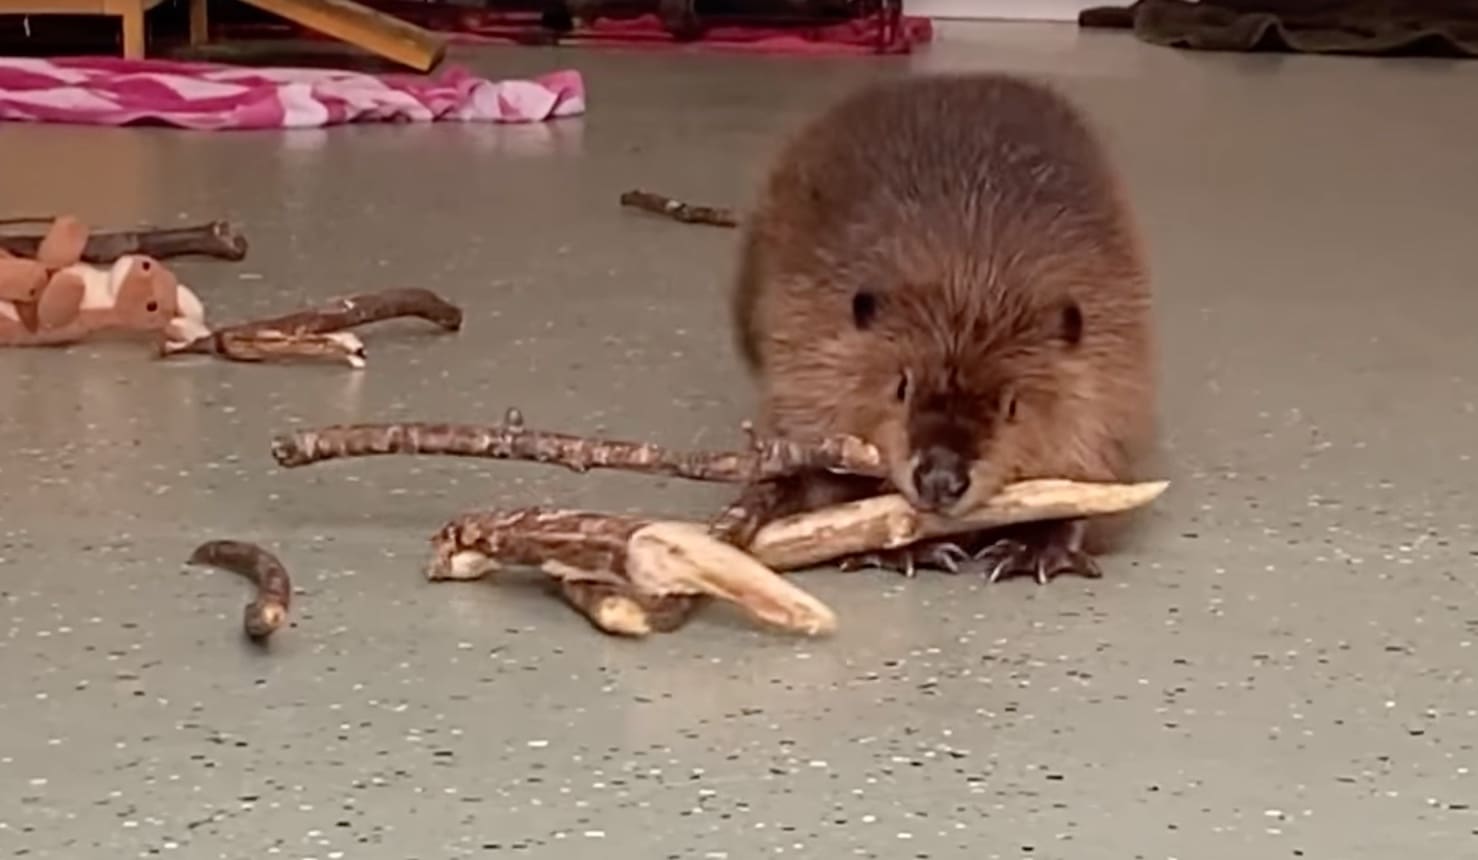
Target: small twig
[
  {"x": 650, "y": 558},
  {"x": 688, "y": 213},
  {"x": 513, "y": 441},
  {"x": 274, "y": 589},
  {"x": 219, "y": 239},
  {"x": 320, "y": 332}
]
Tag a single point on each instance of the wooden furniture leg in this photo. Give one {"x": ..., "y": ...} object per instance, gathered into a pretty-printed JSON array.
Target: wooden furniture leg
[
  {"x": 134, "y": 38},
  {"x": 199, "y": 23}
]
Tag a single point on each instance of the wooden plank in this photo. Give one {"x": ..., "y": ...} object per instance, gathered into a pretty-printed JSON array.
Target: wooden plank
[
  {"x": 53, "y": 7},
  {"x": 366, "y": 28},
  {"x": 74, "y": 7}
]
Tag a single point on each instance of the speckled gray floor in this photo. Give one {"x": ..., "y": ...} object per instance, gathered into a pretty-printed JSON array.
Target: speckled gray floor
[{"x": 1283, "y": 668}]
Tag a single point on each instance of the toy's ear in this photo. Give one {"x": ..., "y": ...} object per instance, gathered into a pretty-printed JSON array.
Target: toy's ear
[
  {"x": 60, "y": 301},
  {"x": 63, "y": 244},
  {"x": 21, "y": 280}
]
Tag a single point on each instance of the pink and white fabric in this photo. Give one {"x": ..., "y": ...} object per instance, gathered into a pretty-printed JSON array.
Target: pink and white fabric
[{"x": 212, "y": 97}]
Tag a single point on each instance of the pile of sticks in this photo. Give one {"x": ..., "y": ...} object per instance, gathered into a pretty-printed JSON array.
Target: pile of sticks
[{"x": 632, "y": 575}]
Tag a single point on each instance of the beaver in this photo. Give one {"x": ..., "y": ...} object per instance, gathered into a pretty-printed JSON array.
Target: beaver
[{"x": 947, "y": 267}]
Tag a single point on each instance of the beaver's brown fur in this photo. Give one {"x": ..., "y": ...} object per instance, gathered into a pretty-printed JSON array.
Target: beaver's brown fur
[{"x": 946, "y": 267}]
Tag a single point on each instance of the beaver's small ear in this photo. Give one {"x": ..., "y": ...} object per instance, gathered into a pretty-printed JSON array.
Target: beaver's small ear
[
  {"x": 864, "y": 308},
  {"x": 1072, "y": 323}
]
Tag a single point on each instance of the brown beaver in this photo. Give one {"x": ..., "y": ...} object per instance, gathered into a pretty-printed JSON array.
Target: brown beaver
[{"x": 947, "y": 267}]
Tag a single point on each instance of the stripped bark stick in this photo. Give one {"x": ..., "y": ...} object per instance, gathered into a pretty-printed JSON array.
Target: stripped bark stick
[
  {"x": 269, "y": 609},
  {"x": 219, "y": 239},
  {"x": 688, "y": 213},
  {"x": 889, "y": 521}
]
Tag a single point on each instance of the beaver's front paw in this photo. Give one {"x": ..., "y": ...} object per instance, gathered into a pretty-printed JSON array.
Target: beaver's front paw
[
  {"x": 1050, "y": 556},
  {"x": 941, "y": 555}
]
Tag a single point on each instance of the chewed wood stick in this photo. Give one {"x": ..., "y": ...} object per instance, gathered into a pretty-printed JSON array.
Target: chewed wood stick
[
  {"x": 219, "y": 239},
  {"x": 688, "y": 213},
  {"x": 651, "y": 558},
  {"x": 269, "y": 609},
  {"x": 513, "y": 441},
  {"x": 321, "y": 332},
  {"x": 889, "y": 521}
]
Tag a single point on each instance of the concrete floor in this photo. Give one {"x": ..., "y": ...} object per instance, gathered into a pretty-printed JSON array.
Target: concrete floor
[{"x": 1283, "y": 668}]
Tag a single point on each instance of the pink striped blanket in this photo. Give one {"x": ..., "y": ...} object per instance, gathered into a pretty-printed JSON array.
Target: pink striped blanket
[{"x": 205, "y": 96}]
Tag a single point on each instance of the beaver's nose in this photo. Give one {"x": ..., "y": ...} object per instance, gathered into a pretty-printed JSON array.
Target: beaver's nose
[{"x": 940, "y": 478}]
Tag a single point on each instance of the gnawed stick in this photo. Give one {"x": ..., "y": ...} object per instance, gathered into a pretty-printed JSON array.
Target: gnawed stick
[
  {"x": 269, "y": 609},
  {"x": 889, "y": 521},
  {"x": 219, "y": 239},
  {"x": 513, "y": 441},
  {"x": 688, "y": 213},
  {"x": 319, "y": 332},
  {"x": 651, "y": 557}
]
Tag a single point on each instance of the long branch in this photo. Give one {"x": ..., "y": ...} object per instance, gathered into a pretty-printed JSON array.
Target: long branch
[
  {"x": 513, "y": 441},
  {"x": 219, "y": 239}
]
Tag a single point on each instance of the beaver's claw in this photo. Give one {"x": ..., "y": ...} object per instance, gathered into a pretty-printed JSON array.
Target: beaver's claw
[
  {"x": 1043, "y": 561},
  {"x": 938, "y": 555}
]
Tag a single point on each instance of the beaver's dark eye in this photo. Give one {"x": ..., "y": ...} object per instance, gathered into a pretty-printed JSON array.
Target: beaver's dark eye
[
  {"x": 1072, "y": 324},
  {"x": 151, "y": 307},
  {"x": 902, "y": 386},
  {"x": 1008, "y": 405},
  {"x": 864, "y": 308}
]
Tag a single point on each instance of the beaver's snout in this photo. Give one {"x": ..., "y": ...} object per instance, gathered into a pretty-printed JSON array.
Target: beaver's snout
[{"x": 940, "y": 477}]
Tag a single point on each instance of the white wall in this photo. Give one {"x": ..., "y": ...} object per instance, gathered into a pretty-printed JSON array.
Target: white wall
[{"x": 1026, "y": 10}]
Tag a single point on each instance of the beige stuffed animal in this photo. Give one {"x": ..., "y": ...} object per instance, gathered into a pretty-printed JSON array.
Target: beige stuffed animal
[{"x": 55, "y": 299}]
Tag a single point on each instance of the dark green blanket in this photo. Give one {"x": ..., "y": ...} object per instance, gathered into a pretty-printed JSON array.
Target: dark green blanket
[{"x": 1445, "y": 28}]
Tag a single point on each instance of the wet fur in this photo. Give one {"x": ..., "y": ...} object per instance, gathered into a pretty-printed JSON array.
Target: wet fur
[{"x": 982, "y": 217}]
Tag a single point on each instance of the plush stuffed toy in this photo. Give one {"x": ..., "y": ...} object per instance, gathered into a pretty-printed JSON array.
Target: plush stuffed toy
[{"x": 56, "y": 299}]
